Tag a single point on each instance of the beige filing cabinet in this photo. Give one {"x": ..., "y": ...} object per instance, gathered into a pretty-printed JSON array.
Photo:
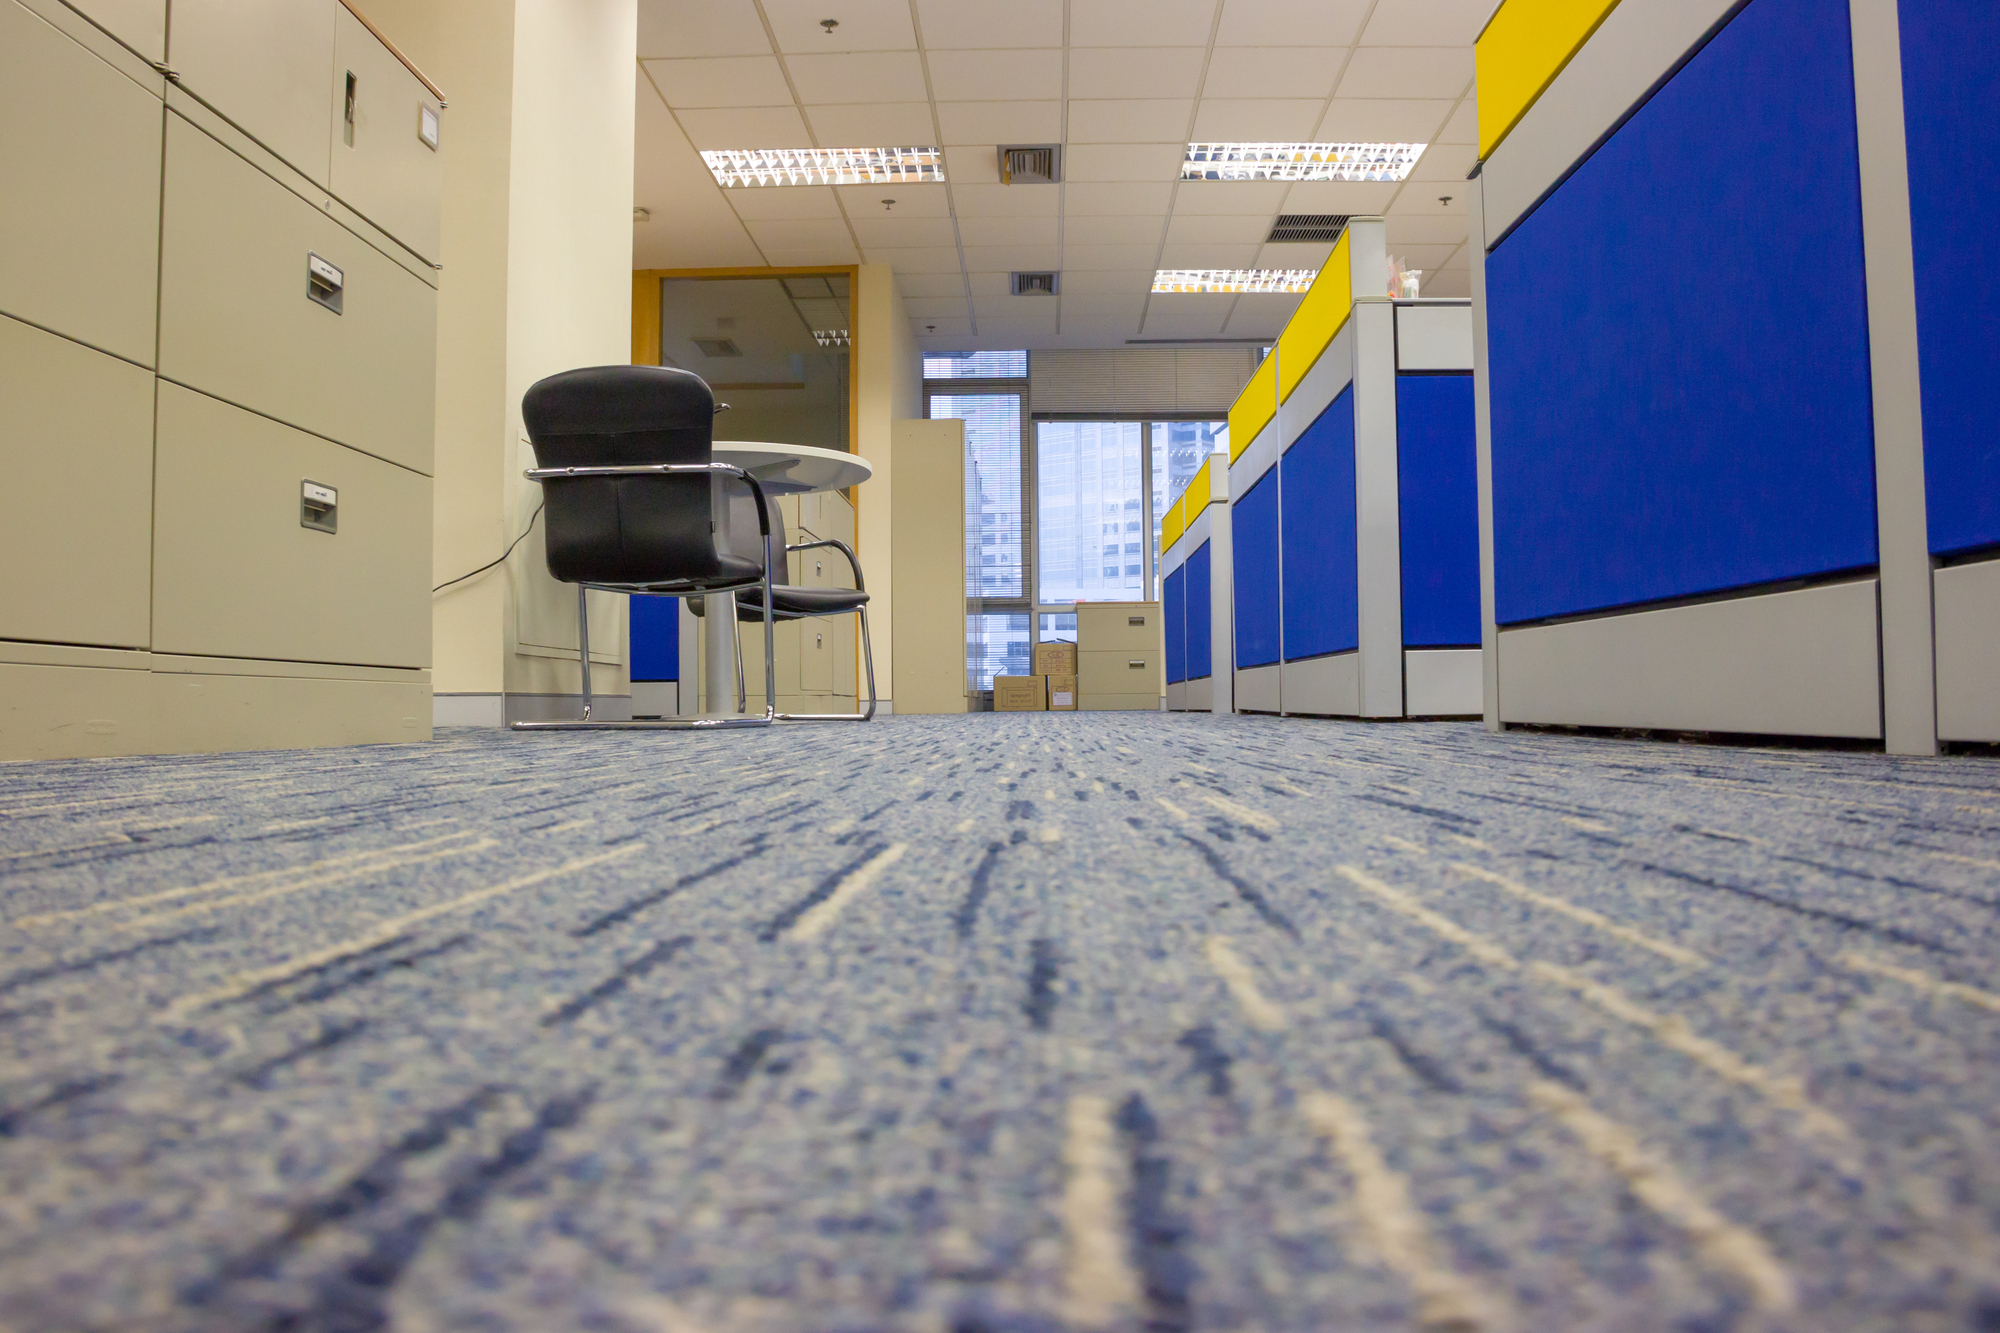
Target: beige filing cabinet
[
  {"x": 1120, "y": 656},
  {"x": 219, "y": 462},
  {"x": 926, "y": 499}
]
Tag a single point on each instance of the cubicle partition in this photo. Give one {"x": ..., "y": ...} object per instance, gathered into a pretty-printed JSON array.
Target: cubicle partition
[
  {"x": 1353, "y": 504},
  {"x": 1717, "y": 499},
  {"x": 1196, "y": 585}
]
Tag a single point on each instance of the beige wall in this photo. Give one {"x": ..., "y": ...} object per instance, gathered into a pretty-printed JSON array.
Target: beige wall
[
  {"x": 537, "y": 278},
  {"x": 889, "y": 375}
]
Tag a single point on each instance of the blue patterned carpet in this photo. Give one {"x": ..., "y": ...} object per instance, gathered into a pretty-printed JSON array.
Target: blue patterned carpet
[{"x": 1014, "y": 1022}]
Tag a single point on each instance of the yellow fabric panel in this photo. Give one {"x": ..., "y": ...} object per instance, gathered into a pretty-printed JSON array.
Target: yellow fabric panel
[
  {"x": 1195, "y": 498},
  {"x": 1172, "y": 524},
  {"x": 1524, "y": 46},
  {"x": 1254, "y": 408},
  {"x": 1316, "y": 321}
]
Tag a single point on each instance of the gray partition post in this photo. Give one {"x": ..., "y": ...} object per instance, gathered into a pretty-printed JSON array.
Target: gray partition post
[
  {"x": 1377, "y": 508},
  {"x": 1909, "y": 683},
  {"x": 1482, "y": 416}
]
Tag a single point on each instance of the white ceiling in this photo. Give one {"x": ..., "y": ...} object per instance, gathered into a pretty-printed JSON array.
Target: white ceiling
[{"x": 1123, "y": 84}]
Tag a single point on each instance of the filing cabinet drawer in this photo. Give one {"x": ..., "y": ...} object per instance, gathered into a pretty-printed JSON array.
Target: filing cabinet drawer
[
  {"x": 80, "y": 210},
  {"x": 1120, "y": 671},
  {"x": 266, "y": 65},
  {"x": 1106, "y": 625},
  {"x": 76, "y": 511},
  {"x": 236, "y": 573},
  {"x": 141, "y": 25},
  {"x": 237, "y": 320},
  {"x": 381, "y": 167}
]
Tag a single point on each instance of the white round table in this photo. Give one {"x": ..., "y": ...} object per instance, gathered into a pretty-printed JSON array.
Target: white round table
[{"x": 782, "y": 469}]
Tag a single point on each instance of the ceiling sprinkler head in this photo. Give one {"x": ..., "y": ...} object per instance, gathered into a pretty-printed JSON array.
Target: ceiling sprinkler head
[
  {"x": 930, "y": 328},
  {"x": 1444, "y": 199},
  {"x": 888, "y": 204},
  {"x": 829, "y": 25}
]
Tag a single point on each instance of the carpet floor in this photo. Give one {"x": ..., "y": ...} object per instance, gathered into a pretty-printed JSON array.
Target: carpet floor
[{"x": 1001, "y": 1024}]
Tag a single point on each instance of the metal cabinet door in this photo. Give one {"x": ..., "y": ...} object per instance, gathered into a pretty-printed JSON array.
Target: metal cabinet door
[
  {"x": 266, "y": 65},
  {"x": 76, "y": 511},
  {"x": 382, "y": 167},
  {"x": 139, "y": 25},
  {"x": 237, "y": 574},
  {"x": 237, "y": 320},
  {"x": 80, "y": 211}
]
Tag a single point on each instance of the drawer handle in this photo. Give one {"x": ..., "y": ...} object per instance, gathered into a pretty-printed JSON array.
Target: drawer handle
[
  {"x": 325, "y": 284},
  {"x": 1135, "y": 620},
  {"x": 1134, "y": 663}
]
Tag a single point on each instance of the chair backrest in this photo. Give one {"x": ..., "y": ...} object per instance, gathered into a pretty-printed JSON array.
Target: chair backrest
[
  {"x": 625, "y": 529},
  {"x": 743, "y": 528}
]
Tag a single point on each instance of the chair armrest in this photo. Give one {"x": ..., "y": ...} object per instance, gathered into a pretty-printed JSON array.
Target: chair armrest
[{"x": 842, "y": 547}]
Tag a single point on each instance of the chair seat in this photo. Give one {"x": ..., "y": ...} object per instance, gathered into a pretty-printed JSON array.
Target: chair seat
[{"x": 791, "y": 603}]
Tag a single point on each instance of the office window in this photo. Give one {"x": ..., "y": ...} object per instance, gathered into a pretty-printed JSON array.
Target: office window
[
  {"x": 996, "y": 644},
  {"x": 1179, "y": 448},
  {"x": 988, "y": 392},
  {"x": 975, "y": 365},
  {"x": 1090, "y": 499}
]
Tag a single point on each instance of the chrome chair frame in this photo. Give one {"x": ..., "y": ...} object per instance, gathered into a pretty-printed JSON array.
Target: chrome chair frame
[
  {"x": 867, "y": 646},
  {"x": 675, "y": 587}
]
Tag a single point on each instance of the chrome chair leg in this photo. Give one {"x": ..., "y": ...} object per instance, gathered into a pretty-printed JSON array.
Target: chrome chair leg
[
  {"x": 868, "y": 663},
  {"x": 583, "y": 643}
]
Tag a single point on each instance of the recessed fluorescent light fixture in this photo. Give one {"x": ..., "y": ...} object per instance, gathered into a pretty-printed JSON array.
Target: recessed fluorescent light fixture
[
  {"x": 1233, "y": 279},
  {"x": 1300, "y": 161},
  {"x": 736, "y": 167}
]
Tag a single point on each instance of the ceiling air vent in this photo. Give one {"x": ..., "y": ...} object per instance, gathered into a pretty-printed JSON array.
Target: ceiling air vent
[
  {"x": 1308, "y": 227},
  {"x": 1030, "y": 164},
  {"x": 1034, "y": 284},
  {"x": 717, "y": 346}
]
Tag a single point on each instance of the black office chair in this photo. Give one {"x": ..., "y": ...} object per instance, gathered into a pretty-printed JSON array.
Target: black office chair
[
  {"x": 793, "y": 602},
  {"x": 632, "y": 494}
]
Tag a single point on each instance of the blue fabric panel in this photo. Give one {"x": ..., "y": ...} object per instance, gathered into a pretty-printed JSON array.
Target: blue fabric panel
[
  {"x": 1254, "y": 537},
  {"x": 1200, "y": 632},
  {"x": 1679, "y": 343},
  {"x": 656, "y": 638},
  {"x": 1322, "y": 581},
  {"x": 1437, "y": 482},
  {"x": 1174, "y": 594},
  {"x": 1951, "y": 116}
]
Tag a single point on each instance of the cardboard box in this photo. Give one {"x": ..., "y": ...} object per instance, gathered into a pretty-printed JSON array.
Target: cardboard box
[
  {"x": 1055, "y": 659},
  {"x": 1020, "y": 694},
  {"x": 1062, "y": 694}
]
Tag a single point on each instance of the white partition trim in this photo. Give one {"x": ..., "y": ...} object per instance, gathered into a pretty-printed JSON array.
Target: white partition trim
[
  {"x": 1636, "y": 47},
  {"x": 1176, "y": 696},
  {"x": 1255, "y": 460},
  {"x": 1968, "y": 651},
  {"x": 1201, "y": 695},
  {"x": 1378, "y": 519},
  {"x": 1327, "y": 686},
  {"x": 1482, "y": 424},
  {"x": 1909, "y": 681},
  {"x": 1322, "y": 384},
  {"x": 1258, "y": 689},
  {"x": 1442, "y": 682},
  {"x": 1221, "y": 609},
  {"x": 1434, "y": 335},
  {"x": 1796, "y": 663}
]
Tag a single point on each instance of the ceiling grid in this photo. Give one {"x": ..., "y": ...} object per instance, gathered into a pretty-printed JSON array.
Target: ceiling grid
[{"x": 951, "y": 203}]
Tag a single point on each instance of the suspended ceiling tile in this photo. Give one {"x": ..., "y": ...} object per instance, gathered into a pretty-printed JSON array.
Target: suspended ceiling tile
[
  {"x": 1426, "y": 200},
  {"x": 1164, "y": 321},
  {"x": 957, "y": 24},
  {"x": 1447, "y": 282},
  {"x": 988, "y": 284},
  {"x": 723, "y": 81},
  {"x": 865, "y": 76},
  {"x": 885, "y": 125},
  {"x": 918, "y": 201},
  {"x": 1128, "y": 256},
  {"x": 934, "y": 307},
  {"x": 971, "y": 164},
  {"x": 964, "y": 76},
  {"x": 1407, "y": 71},
  {"x": 1108, "y": 162},
  {"x": 1000, "y": 122},
  {"x": 1268, "y": 72},
  {"x": 1419, "y": 229},
  {"x": 1289, "y": 22},
  {"x": 1112, "y": 229},
  {"x": 1125, "y": 281},
  {"x": 1010, "y": 258},
  {"x": 1294, "y": 254},
  {"x": 818, "y": 256},
  {"x": 1007, "y": 231},
  {"x": 931, "y": 286},
  {"x": 1382, "y": 120},
  {"x": 1225, "y": 229},
  {"x": 699, "y": 28},
  {"x": 1128, "y": 120},
  {"x": 876, "y": 231},
  {"x": 1145, "y": 72},
  {"x": 1015, "y": 309},
  {"x": 746, "y": 127},
  {"x": 1427, "y": 22},
  {"x": 1256, "y": 120},
  {"x": 929, "y": 259},
  {"x": 1355, "y": 198},
  {"x": 936, "y": 333},
  {"x": 1085, "y": 304},
  {"x": 1425, "y": 257},
  {"x": 1445, "y": 162},
  {"x": 799, "y": 233},
  {"x": 1147, "y": 23},
  {"x": 1080, "y": 198},
  {"x": 1256, "y": 198},
  {"x": 1207, "y": 255},
  {"x": 791, "y": 201},
  {"x": 1095, "y": 330},
  {"x": 865, "y": 25},
  {"x": 692, "y": 223},
  {"x": 1260, "y": 315},
  {"x": 1006, "y": 201},
  {"x": 1463, "y": 127}
]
